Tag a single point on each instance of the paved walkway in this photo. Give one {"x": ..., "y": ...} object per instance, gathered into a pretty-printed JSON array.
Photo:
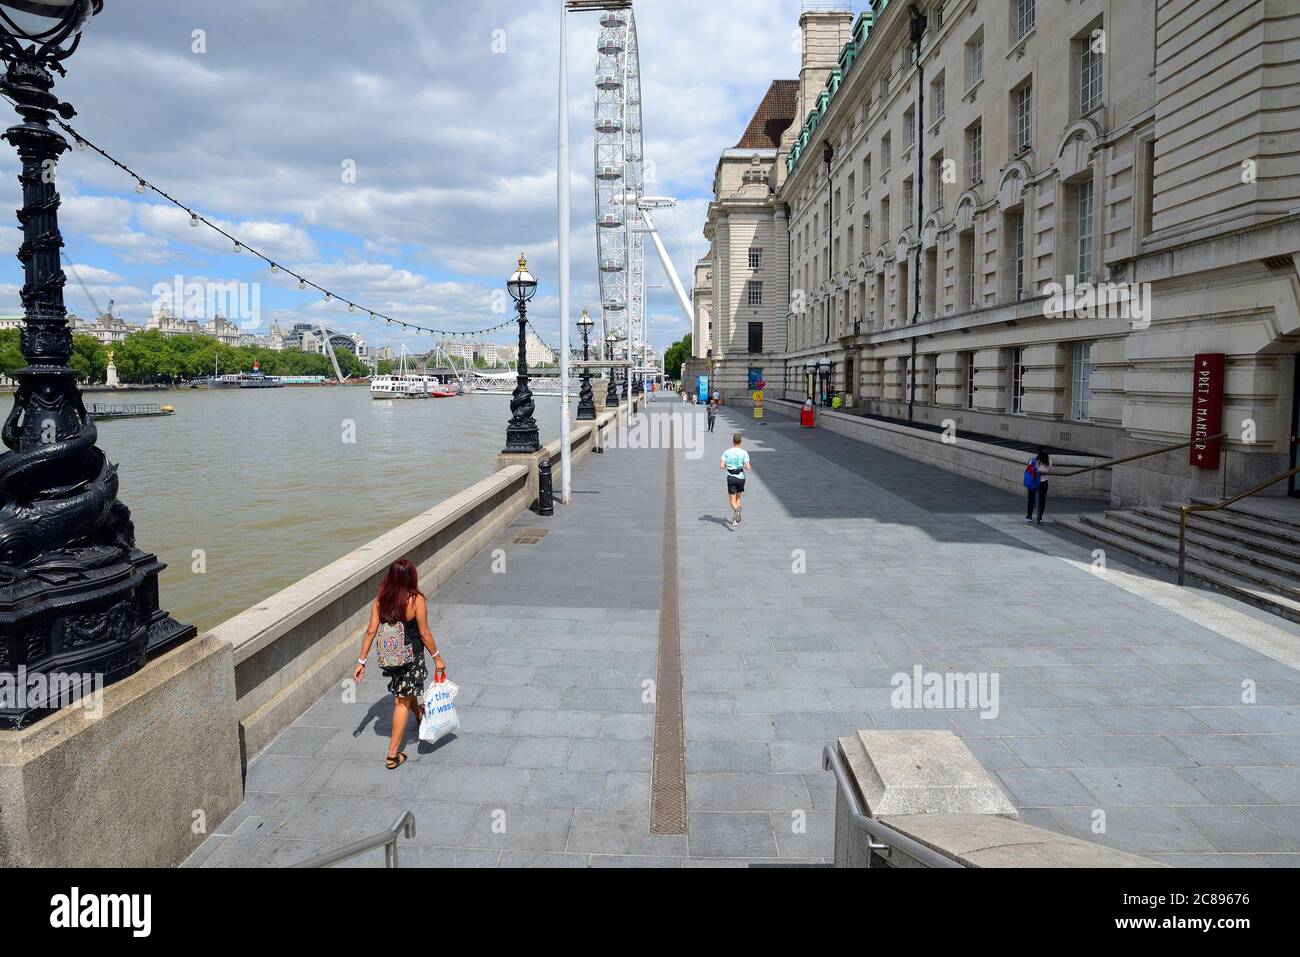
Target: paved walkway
[{"x": 852, "y": 564}]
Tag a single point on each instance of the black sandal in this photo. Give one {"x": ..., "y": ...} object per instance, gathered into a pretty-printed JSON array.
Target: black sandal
[{"x": 395, "y": 761}]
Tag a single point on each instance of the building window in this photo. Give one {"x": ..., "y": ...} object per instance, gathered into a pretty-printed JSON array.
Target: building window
[
  {"x": 1089, "y": 76},
  {"x": 966, "y": 264},
  {"x": 970, "y": 380},
  {"x": 1024, "y": 18},
  {"x": 909, "y": 127},
  {"x": 866, "y": 174},
  {"x": 755, "y": 337},
  {"x": 1147, "y": 159},
  {"x": 936, "y": 175},
  {"x": 1022, "y": 108},
  {"x": 756, "y": 259},
  {"x": 885, "y": 158},
  {"x": 754, "y": 292},
  {"x": 884, "y": 219},
  {"x": 1081, "y": 383},
  {"x": 884, "y": 85},
  {"x": 975, "y": 59},
  {"x": 1017, "y": 381},
  {"x": 909, "y": 196},
  {"x": 975, "y": 151},
  {"x": 1018, "y": 254},
  {"x": 1085, "y": 231},
  {"x": 937, "y": 105}
]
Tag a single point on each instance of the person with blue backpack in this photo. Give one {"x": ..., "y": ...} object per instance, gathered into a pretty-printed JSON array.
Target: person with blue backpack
[{"x": 1036, "y": 473}]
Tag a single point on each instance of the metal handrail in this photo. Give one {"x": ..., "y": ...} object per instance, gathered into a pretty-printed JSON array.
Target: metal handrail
[
  {"x": 404, "y": 825},
  {"x": 1185, "y": 510},
  {"x": 880, "y": 837},
  {"x": 1141, "y": 455}
]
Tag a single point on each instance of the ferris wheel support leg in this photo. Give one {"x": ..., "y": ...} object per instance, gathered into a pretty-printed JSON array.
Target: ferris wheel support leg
[{"x": 669, "y": 269}]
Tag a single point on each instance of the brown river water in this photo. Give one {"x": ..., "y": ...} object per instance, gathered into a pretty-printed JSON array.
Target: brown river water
[{"x": 264, "y": 484}]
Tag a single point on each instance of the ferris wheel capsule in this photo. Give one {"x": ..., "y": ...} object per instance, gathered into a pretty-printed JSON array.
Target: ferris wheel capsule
[{"x": 613, "y": 20}]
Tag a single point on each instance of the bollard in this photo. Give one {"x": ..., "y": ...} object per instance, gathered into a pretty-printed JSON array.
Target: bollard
[{"x": 545, "y": 495}]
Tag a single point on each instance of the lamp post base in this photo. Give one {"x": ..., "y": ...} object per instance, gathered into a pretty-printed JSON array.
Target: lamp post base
[
  {"x": 522, "y": 440},
  {"x": 75, "y": 630}
]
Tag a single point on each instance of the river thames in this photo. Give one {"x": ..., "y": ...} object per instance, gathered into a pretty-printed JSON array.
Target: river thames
[{"x": 258, "y": 488}]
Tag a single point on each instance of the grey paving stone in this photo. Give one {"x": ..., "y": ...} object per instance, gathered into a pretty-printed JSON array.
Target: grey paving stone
[
  {"x": 519, "y": 827},
  {"x": 568, "y": 724},
  {"x": 724, "y": 835},
  {"x": 1281, "y": 784},
  {"x": 1230, "y": 749},
  {"x": 805, "y": 835},
  {"x": 614, "y": 832},
  {"x": 1233, "y": 829},
  {"x": 1045, "y": 752},
  {"x": 717, "y": 791},
  {"x": 1139, "y": 830},
  {"x": 459, "y": 784},
  {"x": 1126, "y": 750},
  {"x": 734, "y": 756},
  {"x": 595, "y": 754},
  {"x": 539, "y": 753},
  {"x": 1032, "y": 788},
  {"x": 1138, "y": 786},
  {"x": 1223, "y": 786},
  {"x": 627, "y": 727},
  {"x": 279, "y": 772}
]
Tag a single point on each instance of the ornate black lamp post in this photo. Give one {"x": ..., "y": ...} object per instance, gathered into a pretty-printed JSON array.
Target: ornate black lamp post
[
  {"x": 611, "y": 392},
  {"x": 617, "y": 384},
  {"x": 586, "y": 401},
  {"x": 78, "y": 600},
  {"x": 521, "y": 433}
]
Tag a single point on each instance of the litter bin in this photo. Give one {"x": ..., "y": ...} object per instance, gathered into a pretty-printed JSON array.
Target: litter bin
[{"x": 806, "y": 415}]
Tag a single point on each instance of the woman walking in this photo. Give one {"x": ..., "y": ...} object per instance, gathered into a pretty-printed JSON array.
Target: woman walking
[
  {"x": 1040, "y": 466},
  {"x": 400, "y": 616}
]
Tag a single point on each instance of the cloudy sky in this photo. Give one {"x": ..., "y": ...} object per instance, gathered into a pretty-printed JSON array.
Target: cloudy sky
[{"x": 447, "y": 109}]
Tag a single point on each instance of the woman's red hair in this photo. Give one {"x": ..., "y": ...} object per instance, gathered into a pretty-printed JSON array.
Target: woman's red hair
[{"x": 400, "y": 585}]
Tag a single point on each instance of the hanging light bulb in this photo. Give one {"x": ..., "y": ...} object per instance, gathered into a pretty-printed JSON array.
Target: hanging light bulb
[
  {"x": 328, "y": 297},
  {"x": 274, "y": 269},
  {"x": 81, "y": 144},
  {"x": 139, "y": 186},
  {"x": 238, "y": 248},
  {"x": 351, "y": 308},
  {"x": 194, "y": 220},
  {"x": 302, "y": 283}
]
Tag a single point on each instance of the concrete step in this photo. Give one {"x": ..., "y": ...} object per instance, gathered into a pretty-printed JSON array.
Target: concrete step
[
  {"x": 1227, "y": 528},
  {"x": 1285, "y": 583},
  {"x": 1280, "y": 559},
  {"x": 1277, "y": 516},
  {"x": 1241, "y": 589}
]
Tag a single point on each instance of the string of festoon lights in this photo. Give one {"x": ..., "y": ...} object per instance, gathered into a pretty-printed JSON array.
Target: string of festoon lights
[{"x": 197, "y": 219}]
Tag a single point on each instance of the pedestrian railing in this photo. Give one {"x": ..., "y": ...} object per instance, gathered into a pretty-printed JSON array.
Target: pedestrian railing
[
  {"x": 403, "y": 826},
  {"x": 1185, "y": 510},
  {"x": 881, "y": 839},
  {"x": 1111, "y": 463}
]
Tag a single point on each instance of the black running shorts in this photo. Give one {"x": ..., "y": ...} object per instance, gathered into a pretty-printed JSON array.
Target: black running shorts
[{"x": 735, "y": 484}]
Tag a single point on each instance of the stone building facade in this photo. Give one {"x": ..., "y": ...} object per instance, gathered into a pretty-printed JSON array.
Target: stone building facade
[
  {"x": 1030, "y": 230},
  {"x": 742, "y": 282}
]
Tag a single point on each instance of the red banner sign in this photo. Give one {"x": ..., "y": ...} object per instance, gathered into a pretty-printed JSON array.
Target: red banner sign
[{"x": 1207, "y": 409}]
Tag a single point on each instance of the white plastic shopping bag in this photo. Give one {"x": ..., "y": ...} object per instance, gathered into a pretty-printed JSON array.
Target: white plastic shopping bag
[{"x": 440, "y": 718}]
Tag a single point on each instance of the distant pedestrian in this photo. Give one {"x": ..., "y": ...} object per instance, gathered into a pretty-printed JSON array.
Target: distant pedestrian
[
  {"x": 735, "y": 462},
  {"x": 712, "y": 410},
  {"x": 399, "y": 617},
  {"x": 1036, "y": 472},
  {"x": 685, "y": 401}
]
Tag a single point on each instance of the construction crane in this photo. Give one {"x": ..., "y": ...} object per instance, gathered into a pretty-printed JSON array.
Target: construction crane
[{"x": 93, "y": 303}]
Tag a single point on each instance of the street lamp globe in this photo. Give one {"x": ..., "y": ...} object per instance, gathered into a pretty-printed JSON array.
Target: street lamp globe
[
  {"x": 585, "y": 322},
  {"x": 47, "y": 24},
  {"x": 521, "y": 285}
]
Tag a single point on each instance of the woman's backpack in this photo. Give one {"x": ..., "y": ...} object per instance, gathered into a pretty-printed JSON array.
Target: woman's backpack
[
  {"x": 1031, "y": 475},
  {"x": 394, "y": 650}
]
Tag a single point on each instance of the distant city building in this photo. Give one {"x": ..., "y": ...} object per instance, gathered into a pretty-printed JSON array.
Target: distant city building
[
  {"x": 109, "y": 330},
  {"x": 471, "y": 351}
]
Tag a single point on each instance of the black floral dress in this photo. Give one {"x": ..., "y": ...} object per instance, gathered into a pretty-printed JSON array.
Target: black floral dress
[{"x": 408, "y": 680}]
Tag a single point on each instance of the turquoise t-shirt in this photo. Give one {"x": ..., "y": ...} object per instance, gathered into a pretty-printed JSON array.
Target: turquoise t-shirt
[{"x": 735, "y": 460}]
